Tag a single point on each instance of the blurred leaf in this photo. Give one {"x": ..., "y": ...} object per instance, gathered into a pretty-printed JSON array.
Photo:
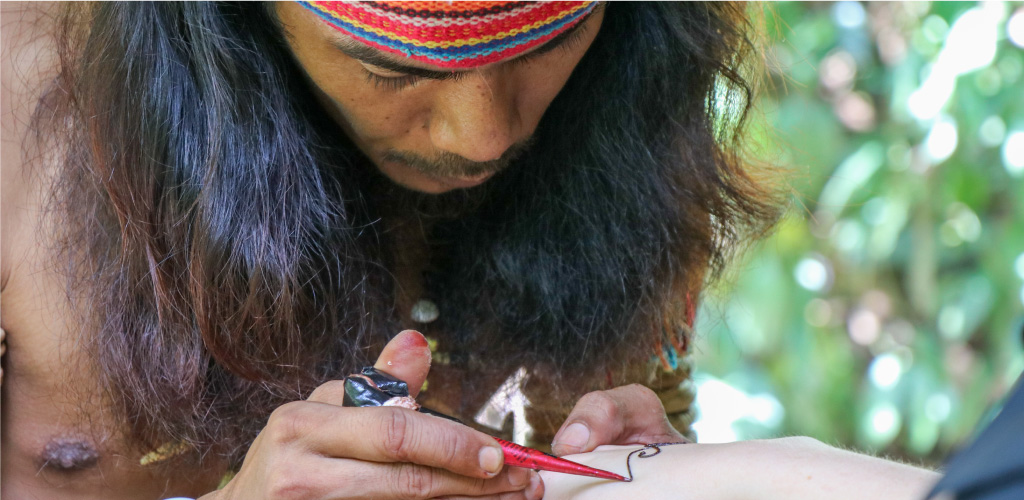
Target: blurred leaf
[{"x": 920, "y": 254}]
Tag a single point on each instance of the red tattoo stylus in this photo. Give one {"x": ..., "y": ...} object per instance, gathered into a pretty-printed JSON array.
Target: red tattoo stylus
[
  {"x": 375, "y": 388},
  {"x": 529, "y": 458}
]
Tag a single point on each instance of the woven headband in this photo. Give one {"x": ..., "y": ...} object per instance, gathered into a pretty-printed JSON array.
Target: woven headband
[{"x": 454, "y": 35}]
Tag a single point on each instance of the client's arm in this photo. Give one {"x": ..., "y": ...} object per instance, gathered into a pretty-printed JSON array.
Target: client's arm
[{"x": 788, "y": 468}]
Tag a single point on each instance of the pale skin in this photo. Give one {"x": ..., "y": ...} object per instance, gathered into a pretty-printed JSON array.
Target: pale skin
[
  {"x": 308, "y": 449},
  {"x": 795, "y": 468}
]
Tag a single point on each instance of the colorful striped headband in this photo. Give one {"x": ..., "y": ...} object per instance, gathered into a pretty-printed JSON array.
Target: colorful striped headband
[{"x": 454, "y": 35}]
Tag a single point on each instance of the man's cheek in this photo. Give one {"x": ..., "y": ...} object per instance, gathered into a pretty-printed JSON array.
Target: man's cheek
[
  {"x": 353, "y": 109},
  {"x": 375, "y": 125}
]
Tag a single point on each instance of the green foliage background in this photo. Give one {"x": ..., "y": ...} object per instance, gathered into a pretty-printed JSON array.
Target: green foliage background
[{"x": 885, "y": 314}]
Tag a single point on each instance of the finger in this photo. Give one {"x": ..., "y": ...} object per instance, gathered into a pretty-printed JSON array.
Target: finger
[
  {"x": 407, "y": 358},
  {"x": 631, "y": 414},
  {"x": 331, "y": 392},
  {"x": 534, "y": 491},
  {"x": 385, "y": 434},
  {"x": 349, "y": 479}
]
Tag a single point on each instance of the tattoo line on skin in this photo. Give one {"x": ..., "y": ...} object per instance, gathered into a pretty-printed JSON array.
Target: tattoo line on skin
[{"x": 647, "y": 451}]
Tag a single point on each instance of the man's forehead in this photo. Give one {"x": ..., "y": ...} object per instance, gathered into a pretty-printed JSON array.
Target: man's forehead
[{"x": 452, "y": 35}]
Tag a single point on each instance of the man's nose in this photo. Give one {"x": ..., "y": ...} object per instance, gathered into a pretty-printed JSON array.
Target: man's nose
[{"x": 476, "y": 117}]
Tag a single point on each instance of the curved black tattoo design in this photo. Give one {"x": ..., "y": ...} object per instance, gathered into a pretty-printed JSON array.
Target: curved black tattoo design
[{"x": 645, "y": 452}]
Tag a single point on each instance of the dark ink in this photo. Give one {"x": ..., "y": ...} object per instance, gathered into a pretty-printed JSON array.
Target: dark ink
[{"x": 645, "y": 452}]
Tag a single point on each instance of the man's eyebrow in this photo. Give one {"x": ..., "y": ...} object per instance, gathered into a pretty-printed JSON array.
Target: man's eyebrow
[{"x": 381, "y": 59}]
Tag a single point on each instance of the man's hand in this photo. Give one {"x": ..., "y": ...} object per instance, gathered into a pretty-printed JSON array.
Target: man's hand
[
  {"x": 318, "y": 449},
  {"x": 629, "y": 414}
]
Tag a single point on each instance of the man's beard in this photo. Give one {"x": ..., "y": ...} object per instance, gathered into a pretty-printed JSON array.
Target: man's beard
[
  {"x": 448, "y": 165},
  {"x": 452, "y": 204}
]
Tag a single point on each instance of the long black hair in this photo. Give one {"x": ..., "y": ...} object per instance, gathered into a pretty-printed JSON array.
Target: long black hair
[{"x": 233, "y": 251}]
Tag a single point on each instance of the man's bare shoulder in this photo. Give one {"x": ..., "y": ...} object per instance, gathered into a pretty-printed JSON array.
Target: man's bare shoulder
[
  {"x": 58, "y": 439},
  {"x": 27, "y": 64},
  {"x": 28, "y": 60}
]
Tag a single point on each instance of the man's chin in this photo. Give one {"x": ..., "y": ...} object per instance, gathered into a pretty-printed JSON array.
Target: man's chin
[{"x": 438, "y": 185}]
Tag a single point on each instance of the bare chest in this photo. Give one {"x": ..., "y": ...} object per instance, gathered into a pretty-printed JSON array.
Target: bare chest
[{"x": 58, "y": 440}]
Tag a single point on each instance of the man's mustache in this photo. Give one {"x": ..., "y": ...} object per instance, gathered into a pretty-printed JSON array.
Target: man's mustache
[{"x": 447, "y": 164}]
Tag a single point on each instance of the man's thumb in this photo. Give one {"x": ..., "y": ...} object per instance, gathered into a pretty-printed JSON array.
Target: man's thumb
[{"x": 407, "y": 358}]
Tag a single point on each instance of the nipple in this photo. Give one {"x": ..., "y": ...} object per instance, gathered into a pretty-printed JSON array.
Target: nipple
[{"x": 69, "y": 454}]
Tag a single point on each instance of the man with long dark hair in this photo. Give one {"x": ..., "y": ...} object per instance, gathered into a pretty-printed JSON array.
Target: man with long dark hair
[{"x": 214, "y": 211}]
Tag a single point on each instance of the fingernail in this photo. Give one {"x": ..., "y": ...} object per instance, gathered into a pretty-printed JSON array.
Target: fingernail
[
  {"x": 490, "y": 459},
  {"x": 519, "y": 477},
  {"x": 536, "y": 489},
  {"x": 574, "y": 436}
]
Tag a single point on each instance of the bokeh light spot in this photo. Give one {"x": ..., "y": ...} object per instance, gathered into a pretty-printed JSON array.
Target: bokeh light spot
[
  {"x": 1010, "y": 68},
  {"x": 878, "y": 302},
  {"x": 1013, "y": 153},
  {"x": 720, "y": 406},
  {"x": 970, "y": 45},
  {"x": 992, "y": 131},
  {"x": 885, "y": 370},
  {"x": 898, "y": 155},
  {"x": 972, "y": 40},
  {"x": 902, "y": 331},
  {"x": 885, "y": 420},
  {"x": 948, "y": 235},
  {"x": 838, "y": 70},
  {"x": 883, "y": 424},
  {"x": 1015, "y": 28},
  {"x": 767, "y": 409},
  {"x": 988, "y": 81},
  {"x": 818, "y": 312},
  {"x": 934, "y": 28},
  {"x": 942, "y": 139},
  {"x": 875, "y": 211},
  {"x": 812, "y": 273},
  {"x": 855, "y": 111},
  {"x": 849, "y": 15},
  {"x": 937, "y": 407},
  {"x": 963, "y": 222},
  {"x": 848, "y": 236},
  {"x": 951, "y": 321},
  {"x": 863, "y": 327},
  {"x": 926, "y": 102}
]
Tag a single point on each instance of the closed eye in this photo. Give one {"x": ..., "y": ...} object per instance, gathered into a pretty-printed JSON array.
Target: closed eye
[{"x": 567, "y": 41}]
